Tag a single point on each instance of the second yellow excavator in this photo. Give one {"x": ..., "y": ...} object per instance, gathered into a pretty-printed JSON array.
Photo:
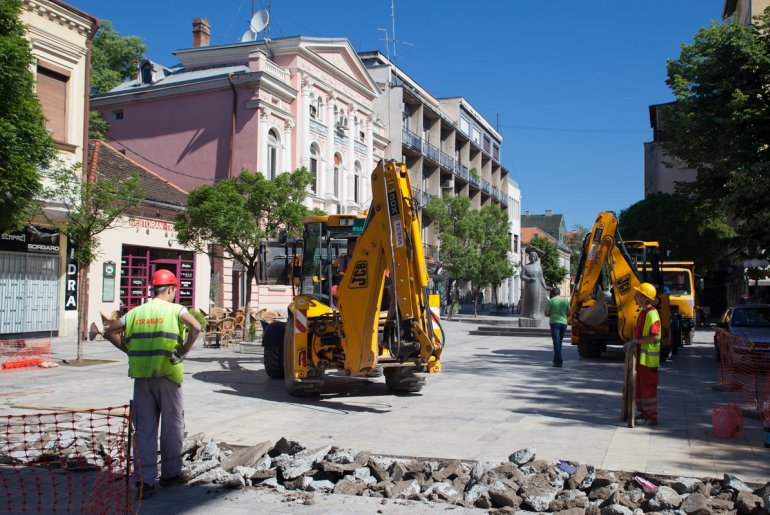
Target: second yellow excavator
[{"x": 602, "y": 307}]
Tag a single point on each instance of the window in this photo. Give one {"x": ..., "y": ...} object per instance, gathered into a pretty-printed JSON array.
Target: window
[
  {"x": 314, "y": 167},
  {"x": 464, "y": 126},
  {"x": 320, "y": 109},
  {"x": 362, "y": 136},
  {"x": 476, "y": 136},
  {"x": 313, "y": 111},
  {"x": 117, "y": 115},
  {"x": 272, "y": 154},
  {"x": 357, "y": 183},
  {"x": 515, "y": 242},
  {"x": 52, "y": 92},
  {"x": 337, "y": 166}
]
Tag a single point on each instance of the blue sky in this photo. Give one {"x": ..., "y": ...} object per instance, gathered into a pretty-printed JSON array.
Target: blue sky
[{"x": 570, "y": 81}]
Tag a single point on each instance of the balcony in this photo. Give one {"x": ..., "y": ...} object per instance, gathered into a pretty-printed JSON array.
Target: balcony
[
  {"x": 431, "y": 152},
  {"x": 423, "y": 198},
  {"x": 360, "y": 147},
  {"x": 446, "y": 161},
  {"x": 317, "y": 127},
  {"x": 486, "y": 187},
  {"x": 411, "y": 139},
  {"x": 430, "y": 251}
]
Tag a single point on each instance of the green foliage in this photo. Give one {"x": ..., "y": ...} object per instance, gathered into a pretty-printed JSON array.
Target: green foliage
[
  {"x": 89, "y": 207},
  {"x": 237, "y": 215},
  {"x": 574, "y": 241},
  {"x": 553, "y": 273},
  {"x": 114, "y": 59},
  {"x": 200, "y": 317},
  {"x": 25, "y": 145},
  {"x": 474, "y": 173},
  {"x": 456, "y": 233},
  {"x": 97, "y": 126},
  {"x": 718, "y": 125},
  {"x": 474, "y": 243},
  {"x": 492, "y": 245},
  {"x": 685, "y": 230}
]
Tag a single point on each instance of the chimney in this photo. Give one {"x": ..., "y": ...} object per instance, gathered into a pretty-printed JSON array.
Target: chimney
[
  {"x": 201, "y": 32},
  {"x": 548, "y": 212}
]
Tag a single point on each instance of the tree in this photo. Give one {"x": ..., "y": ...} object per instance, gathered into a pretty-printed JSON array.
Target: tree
[
  {"x": 718, "y": 125},
  {"x": 474, "y": 243},
  {"x": 492, "y": 245},
  {"x": 237, "y": 215},
  {"x": 553, "y": 273},
  {"x": 574, "y": 241},
  {"x": 90, "y": 208},
  {"x": 25, "y": 145},
  {"x": 114, "y": 59},
  {"x": 685, "y": 230}
]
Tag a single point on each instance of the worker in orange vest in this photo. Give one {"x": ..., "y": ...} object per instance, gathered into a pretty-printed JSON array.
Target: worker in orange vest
[{"x": 647, "y": 342}]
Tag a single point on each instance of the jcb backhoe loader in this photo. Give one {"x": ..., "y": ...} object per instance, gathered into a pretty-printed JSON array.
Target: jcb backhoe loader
[
  {"x": 376, "y": 316},
  {"x": 598, "y": 317}
]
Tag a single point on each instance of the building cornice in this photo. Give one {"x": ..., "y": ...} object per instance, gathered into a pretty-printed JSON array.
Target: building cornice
[{"x": 62, "y": 14}]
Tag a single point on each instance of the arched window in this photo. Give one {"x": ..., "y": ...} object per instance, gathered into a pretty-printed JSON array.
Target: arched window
[
  {"x": 314, "y": 154},
  {"x": 357, "y": 183},
  {"x": 272, "y": 154},
  {"x": 337, "y": 169},
  {"x": 320, "y": 104},
  {"x": 313, "y": 106}
]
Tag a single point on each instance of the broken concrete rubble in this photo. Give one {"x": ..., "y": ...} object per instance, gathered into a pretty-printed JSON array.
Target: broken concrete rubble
[{"x": 521, "y": 483}]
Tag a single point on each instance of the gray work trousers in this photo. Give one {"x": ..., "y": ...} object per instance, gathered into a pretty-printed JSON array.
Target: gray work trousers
[{"x": 157, "y": 399}]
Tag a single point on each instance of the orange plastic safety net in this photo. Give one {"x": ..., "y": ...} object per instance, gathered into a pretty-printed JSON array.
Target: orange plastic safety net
[
  {"x": 23, "y": 354},
  {"x": 743, "y": 372},
  {"x": 73, "y": 461}
]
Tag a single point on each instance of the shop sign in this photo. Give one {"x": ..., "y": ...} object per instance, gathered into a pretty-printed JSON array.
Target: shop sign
[
  {"x": 32, "y": 240},
  {"x": 152, "y": 224},
  {"x": 71, "y": 291},
  {"x": 108, "y": 281}
]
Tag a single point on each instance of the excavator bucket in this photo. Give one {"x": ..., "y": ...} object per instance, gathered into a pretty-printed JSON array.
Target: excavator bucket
[{"x": 595, "y": 314}]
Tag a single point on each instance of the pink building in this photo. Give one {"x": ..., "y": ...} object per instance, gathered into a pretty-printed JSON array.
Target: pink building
[{"x": 268, "y": 107}]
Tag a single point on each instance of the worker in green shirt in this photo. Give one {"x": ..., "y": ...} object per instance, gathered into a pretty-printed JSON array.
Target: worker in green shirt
[{"x": 557, "y": 310}]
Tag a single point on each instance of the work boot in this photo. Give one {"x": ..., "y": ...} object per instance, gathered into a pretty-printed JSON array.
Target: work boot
[
  {"x": 644, "y": 421},
  {"x": 181, "y": 479}
]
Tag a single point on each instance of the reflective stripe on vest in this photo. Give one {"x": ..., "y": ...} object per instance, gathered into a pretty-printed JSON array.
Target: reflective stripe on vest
[
  {"x": 649, "y": 354},
  {"x": 153, "y": 332}
]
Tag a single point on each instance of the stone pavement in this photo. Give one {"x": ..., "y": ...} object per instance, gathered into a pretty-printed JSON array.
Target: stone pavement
[{"x": 494, "y": 396}]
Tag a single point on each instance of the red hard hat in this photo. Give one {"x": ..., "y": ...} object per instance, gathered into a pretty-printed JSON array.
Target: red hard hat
[{"x": 163, "y": 277}]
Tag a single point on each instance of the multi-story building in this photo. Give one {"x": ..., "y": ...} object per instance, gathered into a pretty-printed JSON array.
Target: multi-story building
[
  {"x": 38, "y": 287},
  {"x": 448, "y": 147},
  {"x": 268, "y": 107},
  {"x": 742, "y": 11}
]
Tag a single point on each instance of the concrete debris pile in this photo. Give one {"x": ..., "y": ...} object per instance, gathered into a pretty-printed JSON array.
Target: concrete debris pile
[
  {"x": 522, "y": 483},
  {"x": 71, "y": 449}
]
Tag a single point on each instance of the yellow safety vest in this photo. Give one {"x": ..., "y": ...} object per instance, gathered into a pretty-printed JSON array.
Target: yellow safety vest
[
  {"x": 649, "y": 354},
  {"x": 153, "y": 332}
]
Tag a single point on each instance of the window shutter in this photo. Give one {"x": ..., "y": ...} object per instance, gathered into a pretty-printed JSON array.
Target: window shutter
[{"x": 52, "y": 92}]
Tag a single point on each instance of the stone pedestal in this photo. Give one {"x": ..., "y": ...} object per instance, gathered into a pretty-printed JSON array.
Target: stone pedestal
[{"x": 530, "y": 322}]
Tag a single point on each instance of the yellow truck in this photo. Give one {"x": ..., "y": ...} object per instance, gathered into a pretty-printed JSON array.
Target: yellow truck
[{"x": 373, "y": 318}]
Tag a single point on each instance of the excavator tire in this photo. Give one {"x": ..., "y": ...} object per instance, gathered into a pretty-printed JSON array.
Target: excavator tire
[
  {"x": 403, "y": 380},
  {"x": 272, "y": 341},
  {"x": 590, "y": 349},
  {"x": 299, "y": 388}
]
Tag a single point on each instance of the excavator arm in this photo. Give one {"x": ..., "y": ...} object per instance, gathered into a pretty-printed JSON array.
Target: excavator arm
[
  {"x": 390, "y": 245},
  {"x": 604, "y": 247}
]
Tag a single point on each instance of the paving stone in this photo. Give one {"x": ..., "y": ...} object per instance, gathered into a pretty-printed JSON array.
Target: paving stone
[{"x": 246, "y": 457}]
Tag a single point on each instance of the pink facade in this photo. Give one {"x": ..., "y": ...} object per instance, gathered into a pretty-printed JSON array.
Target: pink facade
[{"x": 230, "y": 108}]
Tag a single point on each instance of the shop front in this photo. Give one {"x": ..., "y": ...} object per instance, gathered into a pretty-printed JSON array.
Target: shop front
[{"x": 34, "y": 293}]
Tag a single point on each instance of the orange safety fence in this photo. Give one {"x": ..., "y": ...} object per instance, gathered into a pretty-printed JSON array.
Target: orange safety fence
[
  {"x": 72, "y": 461},
  {"x": 22, "y": 354},
  {"x": 743, "y": 373}
]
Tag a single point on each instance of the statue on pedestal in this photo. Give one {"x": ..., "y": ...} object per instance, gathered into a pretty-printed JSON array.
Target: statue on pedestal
[{"x": 534, "y": 288}]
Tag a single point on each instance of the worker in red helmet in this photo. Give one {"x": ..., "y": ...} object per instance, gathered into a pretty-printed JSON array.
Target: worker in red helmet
[{"x": 158, "y": 334}]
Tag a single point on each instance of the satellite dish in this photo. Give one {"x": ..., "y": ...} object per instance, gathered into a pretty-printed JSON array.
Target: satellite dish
[{"x": 258, "y": 23}]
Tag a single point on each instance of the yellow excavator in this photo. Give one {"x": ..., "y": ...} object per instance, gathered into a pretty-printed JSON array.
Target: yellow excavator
[
  {"x": 602, "y": 308},
  {"x": 374, "y": 317}
]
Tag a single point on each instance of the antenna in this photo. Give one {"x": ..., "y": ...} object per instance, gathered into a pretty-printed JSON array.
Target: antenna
[
  {"x": 393, "y": 32},
  {"x": 259, "y": 22}
]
